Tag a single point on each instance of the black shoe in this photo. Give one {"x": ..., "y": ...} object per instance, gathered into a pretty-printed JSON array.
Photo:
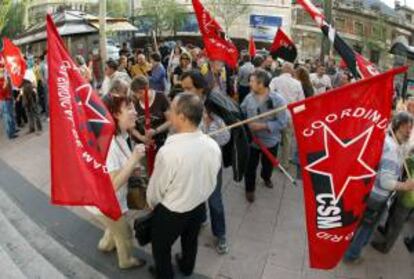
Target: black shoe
[
  {"x": 381, "y": 230},
  {"x": 268, "y": 184},
  {"x": 152, "y": 271},
  {"x": 179, "y": 264},
  {"x": 250, "y": 197},
  {"x": 408, "y": 244},
  {"x": 379, "y": 246},
  {"x": 13, "y": 136}
]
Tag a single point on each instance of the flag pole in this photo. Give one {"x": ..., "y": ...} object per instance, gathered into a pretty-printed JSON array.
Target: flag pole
[{"x": 251, "y": 119}]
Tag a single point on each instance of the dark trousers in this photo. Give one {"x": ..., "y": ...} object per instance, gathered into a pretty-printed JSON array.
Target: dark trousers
[
  {"x": 267, "y": 167},
  {"x": 243, "y": 92},
  {"x": 21, "y": 117},
  {"x": 167, "y": 226},
  {"x": 398, "y": 215}
]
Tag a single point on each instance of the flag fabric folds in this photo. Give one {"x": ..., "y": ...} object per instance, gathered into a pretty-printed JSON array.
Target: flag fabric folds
[
  {"x": 252, "y": 47},
  {"x": 340, "y": 138},
  {"x": 217, "y": 45},
  {"x": 356, "y": 63},
  {"x": 81, "y": 130},
  {"x": 15, "y": 63},
  {"x": 283, "y": 47}
]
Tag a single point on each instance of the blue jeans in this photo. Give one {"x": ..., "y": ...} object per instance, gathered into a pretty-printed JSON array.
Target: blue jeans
[
  {"x": 215, "y": 204},
  {"x": 368, "y": 224},
  {"x": 6, "y": 108},
  {"x": 361, "y": 238}
]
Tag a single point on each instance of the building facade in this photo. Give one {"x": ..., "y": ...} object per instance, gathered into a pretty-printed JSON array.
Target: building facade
[{"x": 37, "y": 9}]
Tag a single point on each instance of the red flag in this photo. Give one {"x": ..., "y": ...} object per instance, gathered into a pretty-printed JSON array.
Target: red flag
[
  {"x": 340, "y": 139},
  {"x": 272, "y": 158},
  {"x": 81, "y": 130},
  {"x": 252, "y": 47},
  {"x": 357, "y": 64},
  {"x": 216, "y": 43},
  {"x": 15, "y": 63},
  {"x": 283, "y": 47},
  {"x": 150, "y": 148}
]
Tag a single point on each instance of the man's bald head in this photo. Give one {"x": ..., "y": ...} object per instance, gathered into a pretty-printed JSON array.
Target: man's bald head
[{"x": 288, "y": 68}]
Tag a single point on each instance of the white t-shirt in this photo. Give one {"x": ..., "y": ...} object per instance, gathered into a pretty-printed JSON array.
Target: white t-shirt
[
  {"x": 118, "y": 154},
  {"x": 321, "y": 84}
]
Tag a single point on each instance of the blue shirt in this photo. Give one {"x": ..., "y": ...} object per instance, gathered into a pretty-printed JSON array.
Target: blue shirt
[
  {"x": 275, "y": 123},
  {"x": 158, "y": 78}
]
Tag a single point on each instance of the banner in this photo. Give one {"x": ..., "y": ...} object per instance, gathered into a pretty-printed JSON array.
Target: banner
[
  {"x": 252, "y": 47},
  {"x": 81, "y": 130},
  {"x": 15, "y": 63},
  {"x": 356, "y": 63},
  {"x": 217, "y": 45},
  {"x": 283, "y": 47},
  {"x": 340, "y": 138}
]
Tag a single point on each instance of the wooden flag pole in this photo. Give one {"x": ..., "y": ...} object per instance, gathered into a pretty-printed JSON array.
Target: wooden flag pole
[{"x": 251, "y": 119}]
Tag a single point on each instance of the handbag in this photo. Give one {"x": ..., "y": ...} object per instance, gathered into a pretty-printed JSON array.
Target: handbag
[
  {"x": 137, "y": 186},
  {"x": 142, "y": 227}
]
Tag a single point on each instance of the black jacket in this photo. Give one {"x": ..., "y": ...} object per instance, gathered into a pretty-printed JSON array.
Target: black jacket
[{"x": 236, "y": 151}]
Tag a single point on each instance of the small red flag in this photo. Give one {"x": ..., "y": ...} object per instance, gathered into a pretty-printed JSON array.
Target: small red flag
[
  {"x": 15, "y": 63},
  {"x": 81, "y": 130},
  {"x": 217, "y": 45},
  {"x": 340, "y": 138},
  {"x": 252, "y": 47},
  {"x": 150, "y": 150},
  {"x": 283, "y": 47}
]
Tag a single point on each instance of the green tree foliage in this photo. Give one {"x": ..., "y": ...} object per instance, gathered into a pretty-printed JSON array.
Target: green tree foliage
[
  {"x": 228, "y": 11},
  {"x": 117, "y": 8},
  {"x": 5, "y": 7},
  {"x": 15, "y": 20},
  {"x": 166, "y": 15}
]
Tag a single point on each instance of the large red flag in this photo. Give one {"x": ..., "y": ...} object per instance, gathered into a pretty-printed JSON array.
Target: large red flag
[
  {"x": 216, "y": 43},
  {"x": 252, "y": 47},
  {"x": 357, "y": 64},
  {"x": 283, "y": 47},
  {"x": 340, "y": 139},
  {"x": 81, "y": 130},
  {"x": 15, "y": 63}
]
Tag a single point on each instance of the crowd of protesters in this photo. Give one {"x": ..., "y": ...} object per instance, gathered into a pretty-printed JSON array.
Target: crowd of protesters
[{"x": 178, "y": 124}]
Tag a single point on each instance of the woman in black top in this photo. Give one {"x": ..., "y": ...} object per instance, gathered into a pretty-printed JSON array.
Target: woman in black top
[
  {"x": 185, "y": 64},
  {"x": 158, "y": 105}
]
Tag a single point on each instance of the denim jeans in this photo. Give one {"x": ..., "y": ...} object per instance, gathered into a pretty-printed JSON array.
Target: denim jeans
[
  {"x": 368, "y": 224},
  {"x": 215, "y": 204},
  {"x": 6, "y": 108}
]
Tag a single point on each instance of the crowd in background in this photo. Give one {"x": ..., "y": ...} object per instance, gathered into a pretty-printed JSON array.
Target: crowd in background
[{"x": 259, "y": 84}]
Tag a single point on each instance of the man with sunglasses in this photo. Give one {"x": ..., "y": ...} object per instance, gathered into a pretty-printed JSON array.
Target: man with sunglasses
[{"x": 268, "y": 129}]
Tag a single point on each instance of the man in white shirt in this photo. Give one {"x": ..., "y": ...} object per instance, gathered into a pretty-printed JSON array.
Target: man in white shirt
[
  {"x": 291, "y": 90},
  {"x": 320, "y": 81},
  {"x": 286, "y": 85},
  {"x": 184, "y": 177}
]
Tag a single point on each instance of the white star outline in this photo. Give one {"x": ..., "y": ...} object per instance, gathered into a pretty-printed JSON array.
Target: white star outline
[
  {"x": 102, "y": 118},
  {"x": 367, "y": 134}
]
